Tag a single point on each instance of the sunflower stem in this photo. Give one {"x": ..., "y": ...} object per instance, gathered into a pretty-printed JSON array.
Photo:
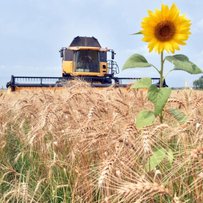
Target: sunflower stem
[
  {"x": 162, "y": 69},
  {"x": 161, "y": 80}
]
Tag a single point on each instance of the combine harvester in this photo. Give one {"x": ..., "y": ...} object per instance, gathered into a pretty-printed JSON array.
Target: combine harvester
[{"x": 84, "y": 59}]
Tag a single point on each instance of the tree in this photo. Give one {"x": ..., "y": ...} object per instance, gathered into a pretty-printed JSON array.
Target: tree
[{"x": 198, "y": 84}]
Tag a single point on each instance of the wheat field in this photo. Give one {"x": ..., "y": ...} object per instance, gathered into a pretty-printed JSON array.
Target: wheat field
[{"x": 80, "y": 145}]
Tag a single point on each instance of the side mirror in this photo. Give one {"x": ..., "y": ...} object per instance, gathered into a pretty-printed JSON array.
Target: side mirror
[
  {"x": 61, "y": 52},
  {"x": 113, "y": 54}
]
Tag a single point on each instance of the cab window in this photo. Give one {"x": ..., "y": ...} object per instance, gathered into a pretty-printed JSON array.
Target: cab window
[{"x": 87, "y": 61}]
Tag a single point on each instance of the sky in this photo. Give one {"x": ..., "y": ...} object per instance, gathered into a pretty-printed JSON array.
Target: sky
[{"x": 33, "y": 31}]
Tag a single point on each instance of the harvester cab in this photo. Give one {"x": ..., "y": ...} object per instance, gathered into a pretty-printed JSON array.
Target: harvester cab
[
  {"x": 86, "y": 59},
  {"x": 83, "y": 59}
]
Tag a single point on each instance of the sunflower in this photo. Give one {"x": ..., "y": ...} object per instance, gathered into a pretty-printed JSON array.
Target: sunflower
[{"x": 165, "y": 29}]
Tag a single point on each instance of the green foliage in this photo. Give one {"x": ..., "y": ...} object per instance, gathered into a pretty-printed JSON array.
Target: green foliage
[
  {"x": 178, "y": 115},
  {"x": 144, "y": 118},
  {"x": 136, "y": 61},
  {"x": 157, "y": 157},
  {"x": 177, "y": 57},
  {"x": 21, "y": 165},
  {"x": 142, "y": 83},
  {"x": 159, "y": 97},
  {"x": 13, "y": 146},
  {"x": 181, "y": 62},
  {"x": 58, "y": 187},
  {"x": 198, "y": 83}
]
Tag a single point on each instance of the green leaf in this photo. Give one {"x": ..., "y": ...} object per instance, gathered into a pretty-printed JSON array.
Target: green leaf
[
  {"x": 188, "y": 67},
  {"x": 136, "y": 61},
  {"x": 159, "y": 97},
  {"x": 181, "y": 62},
  {"x": 144, "y": 118},
  {"x": 156, "y": 158},
  {"x": 178, "y": 115},
  {"x": 178, "y": 57},
  {"x": 142, "y": 83},
  {"x": 137, "y": 33}
]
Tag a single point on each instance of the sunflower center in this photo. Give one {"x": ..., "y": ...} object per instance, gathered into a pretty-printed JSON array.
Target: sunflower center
[{"x": 164, "y": 31}]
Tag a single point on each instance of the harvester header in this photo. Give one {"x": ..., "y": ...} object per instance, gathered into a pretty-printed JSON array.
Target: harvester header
[{"x": 83, "y": 59}]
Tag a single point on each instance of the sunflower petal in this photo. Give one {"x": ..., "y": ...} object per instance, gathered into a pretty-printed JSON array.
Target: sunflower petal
[{"x": 165, "y": 29}]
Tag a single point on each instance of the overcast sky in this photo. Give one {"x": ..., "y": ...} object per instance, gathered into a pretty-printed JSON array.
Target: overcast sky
[{"x": 33, "y": 31}]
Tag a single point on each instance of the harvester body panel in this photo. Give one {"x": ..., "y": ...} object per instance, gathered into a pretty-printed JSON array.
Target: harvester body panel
[{"x": 84, "y": 57}]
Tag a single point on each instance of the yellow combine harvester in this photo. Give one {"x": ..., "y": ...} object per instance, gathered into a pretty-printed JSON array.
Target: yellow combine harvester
[{"x": 84, "y": 59}]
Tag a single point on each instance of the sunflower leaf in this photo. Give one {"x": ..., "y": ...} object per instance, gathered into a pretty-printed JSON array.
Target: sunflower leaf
[
  {"x": 178, "y": 57},
  {"x": 182, "y": 62},
  {"x": 142, "y": 83},
  {"x": 178, "y": 115},
  {"x": 155, "y": 159},
  {"x": 159, "y": 97},
  {"x": 137, "y": 33},
  {"x": 136, "y": 61},
  {"x": 144, "y": 118}
]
